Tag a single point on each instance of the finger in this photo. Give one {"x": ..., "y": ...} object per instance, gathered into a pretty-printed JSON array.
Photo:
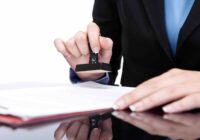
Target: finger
[
  {"x": 160, "y": 97},
  {"x": 95, "y": 134},
  {"x": 60, "y": 131},
  {"x": 156, "y": 125},
  {"x": 106, "y": 124},
  {"x": 73, "y": 130},
  {"x": 165, "y": 95},
  {"x": 83, "y": 132},
  {"x": 135, "y": 121},
  {"x": 127, "y": 117},
  {"x": 106, "y": 130},
  {"x": 106, "y": 49},
  {"x": 72, "y": 48},
  {"x": 82, "y": 43},
  {"x": 155, "y": 121},
  {"x": 60, "y": 46},
  {"x": 93, "y": 36},
  {"x": 186, "y": 119},
  {"x": 187, "y": 103},
  {"x": 85, "y": 121},
  {"x": 122, "y": 115},
  {"x": 150, "y": 87},
  {"x": 106, "y": 135}
]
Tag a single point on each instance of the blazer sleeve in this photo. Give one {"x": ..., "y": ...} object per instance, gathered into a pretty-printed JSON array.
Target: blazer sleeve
[{"x": 105, "y": 15}]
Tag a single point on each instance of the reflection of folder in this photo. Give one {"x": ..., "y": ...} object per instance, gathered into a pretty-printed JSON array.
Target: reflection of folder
[{"x": 30, "y": 105}]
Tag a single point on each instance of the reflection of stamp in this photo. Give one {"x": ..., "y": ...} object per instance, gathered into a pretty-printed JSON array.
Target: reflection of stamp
[{"x": 94, "y": 66}]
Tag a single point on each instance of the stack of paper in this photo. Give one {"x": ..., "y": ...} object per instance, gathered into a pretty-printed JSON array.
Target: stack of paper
[{"x": 31, "y": 103}]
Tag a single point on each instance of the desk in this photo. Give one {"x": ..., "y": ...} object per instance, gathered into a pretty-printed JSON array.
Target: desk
[{"x": 126, "y": 126}]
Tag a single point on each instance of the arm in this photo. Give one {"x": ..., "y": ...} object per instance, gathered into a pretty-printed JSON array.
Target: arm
[
  {"x": 99, "y": 35},
  {"x": 105, "y": 15}
]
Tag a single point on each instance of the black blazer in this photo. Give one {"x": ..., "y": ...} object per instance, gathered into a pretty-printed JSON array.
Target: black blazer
[{"x": 137, "y": 28}]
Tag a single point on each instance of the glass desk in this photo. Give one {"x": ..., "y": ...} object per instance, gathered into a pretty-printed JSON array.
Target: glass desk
[{"x": 124, "y": 125}]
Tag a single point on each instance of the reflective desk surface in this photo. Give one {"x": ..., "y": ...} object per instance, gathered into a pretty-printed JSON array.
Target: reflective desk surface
[{"x": 123, "y": 125}]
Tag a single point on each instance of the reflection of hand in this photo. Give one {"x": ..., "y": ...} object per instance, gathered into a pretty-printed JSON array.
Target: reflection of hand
[
  {"x": 73, "y": 130},
  {"x": 175, "y": 126},
  {"x": 76, "y": 50},
  {"x": 179, "y": 88},
  {"x": 79, "y": 130}
]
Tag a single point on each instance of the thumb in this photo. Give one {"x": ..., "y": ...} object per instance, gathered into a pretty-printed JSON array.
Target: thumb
[{"x": 106, "y": 49}]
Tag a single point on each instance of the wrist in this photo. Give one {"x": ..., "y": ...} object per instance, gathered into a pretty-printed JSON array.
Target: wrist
[{"x": 90, "y": 76}]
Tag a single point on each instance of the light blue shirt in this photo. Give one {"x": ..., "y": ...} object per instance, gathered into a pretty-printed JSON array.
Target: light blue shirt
[{"x": 176, "y": 12}]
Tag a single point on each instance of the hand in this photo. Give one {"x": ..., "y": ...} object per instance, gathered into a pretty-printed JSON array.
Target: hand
[
  {"x": 178, "y": 90},
  {"x": 76, "y": 50},
  {"x": 175, "y": 126},
  {"x": 79, "y": 130}
]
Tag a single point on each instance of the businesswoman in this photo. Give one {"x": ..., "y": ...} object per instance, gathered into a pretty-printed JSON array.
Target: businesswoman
[{"x": 160, "y": 43}]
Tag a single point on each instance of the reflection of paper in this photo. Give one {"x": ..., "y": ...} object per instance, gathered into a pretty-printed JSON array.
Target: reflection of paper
[{"x": 46, "y": 101}]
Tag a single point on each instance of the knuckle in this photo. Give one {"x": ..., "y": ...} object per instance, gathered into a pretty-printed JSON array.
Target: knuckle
[
  {"x": 80, "y": 36},
  {"x": 110, "y": 42},
  {"x": 93, "y": 27},
  {"x": 171, "y": 90},
  {"x": 128, "y": 98},
  {"x": 149, "y": 101},
  {"x": 194, "y": 100},
  {"x": 110, "y": 137},
  {"x": 93, "y": 24},
  {"x": 70, "y": 43},
  {"x": 150, "y": 85},
  {"x": 152, "y": 131},
  {"x": 107, "y": 57},
  {"x": 174, "y": 70},
  {"x": 181, "y": 104}
]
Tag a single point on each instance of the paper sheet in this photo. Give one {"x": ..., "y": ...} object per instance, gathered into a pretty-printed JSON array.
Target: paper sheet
[{"x": 47, "y": 101}]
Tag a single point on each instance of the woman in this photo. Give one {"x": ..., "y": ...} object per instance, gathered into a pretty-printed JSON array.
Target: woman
[{"x": 159, "y": 41}]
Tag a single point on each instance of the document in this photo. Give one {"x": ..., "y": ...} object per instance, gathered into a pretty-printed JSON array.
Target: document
[{"x": 30, "y": 103}]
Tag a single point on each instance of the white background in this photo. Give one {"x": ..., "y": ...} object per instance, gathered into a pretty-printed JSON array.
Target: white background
[{"x": 27, "y": 31}]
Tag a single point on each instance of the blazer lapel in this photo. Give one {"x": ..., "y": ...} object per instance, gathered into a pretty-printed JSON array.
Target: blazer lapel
[
  {"x": 192, "y": 21},
  {"x": 155, "y": 12}
]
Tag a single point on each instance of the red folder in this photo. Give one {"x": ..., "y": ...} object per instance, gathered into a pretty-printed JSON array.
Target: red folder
[{"x": 18, "y": 122}]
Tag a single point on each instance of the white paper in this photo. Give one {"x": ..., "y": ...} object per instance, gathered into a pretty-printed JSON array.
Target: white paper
[{"x": 47, "y": 101}]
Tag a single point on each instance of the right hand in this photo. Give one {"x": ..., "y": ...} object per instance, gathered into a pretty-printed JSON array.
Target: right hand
[{"x": 76, "y": 50}]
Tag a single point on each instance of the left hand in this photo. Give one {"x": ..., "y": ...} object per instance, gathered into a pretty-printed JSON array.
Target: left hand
[{"x": 178, "y": 90}]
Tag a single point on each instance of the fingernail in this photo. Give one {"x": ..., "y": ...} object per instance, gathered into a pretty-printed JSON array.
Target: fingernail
[
  {"x": 96, "y": 131},
  {"x": 115, "y": 107},
  {"x": 167, "y": 109},
  {"x": 95, "y": 50},
  {"x": 166, "y": 117},
  {"x": 138, "y": 117},
  {"x": 119, "y": 104},
  {"x": 117, "y": 115},
  {"x": 132, "y": 108},
  {"x": 136, "y": 107}
]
